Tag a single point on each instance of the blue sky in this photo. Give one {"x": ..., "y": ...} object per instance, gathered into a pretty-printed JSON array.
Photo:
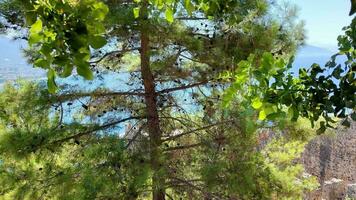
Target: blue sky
[{"x": 324, "y": 20}]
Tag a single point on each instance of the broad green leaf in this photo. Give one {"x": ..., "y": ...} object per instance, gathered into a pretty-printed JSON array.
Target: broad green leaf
[
  {"x": 97, "y": 42},
  {"x": 136, "y": 12},
  {"x": 51, "y": 83},
  {"x": 36, "y": 27},
  {"x": 35, "y": 30},
  {"x": 82, "y": 56},
  {"x": 100, "y": 11},
  {"x": 84, "y": 71},
  {"x": 169, "y": 2},
  {"x": 169, "y": 15},
  {"x": 293, "y": 113},
  {"x": 30, "y": 17},
  {"x": 35, "y": 38},
  {"x": 273, "y": 116},
  {"x": 42, "y": 63},
  {"x": 262, "y": 115},
  {"x": 64, "y": 62},
  {"x": 67, "y": 71},
  {"x": 269, "y": 108},
  {"x": 159, "y": 3},
  {"x": 337, "y": 72},
  {"x": 189, "y": 6},
  {"x": 256, "y": 103},
  {"x": 96, "y": 29},
  {"x": 267, "y": 62}
]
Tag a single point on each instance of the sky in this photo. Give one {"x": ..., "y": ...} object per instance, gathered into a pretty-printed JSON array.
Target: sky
[{"x": 324, "y": 20}]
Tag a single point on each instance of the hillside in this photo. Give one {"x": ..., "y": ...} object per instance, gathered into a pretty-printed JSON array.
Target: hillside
[{"x": 332, "y": 158}]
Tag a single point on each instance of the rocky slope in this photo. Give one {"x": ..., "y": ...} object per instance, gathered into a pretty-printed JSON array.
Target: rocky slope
[{"x": 332, "y": 158}]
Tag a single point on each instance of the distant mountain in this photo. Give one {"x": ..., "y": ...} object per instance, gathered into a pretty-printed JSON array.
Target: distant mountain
[
  {"x": 313, "y": 51},
  {"x": 308, "y": 55}
]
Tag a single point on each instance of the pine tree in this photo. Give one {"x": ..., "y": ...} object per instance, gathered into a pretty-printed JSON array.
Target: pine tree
[{"x": 188, "y": 91}]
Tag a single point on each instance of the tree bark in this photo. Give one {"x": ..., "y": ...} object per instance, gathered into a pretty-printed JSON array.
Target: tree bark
[{"x": 154, "y": 130}]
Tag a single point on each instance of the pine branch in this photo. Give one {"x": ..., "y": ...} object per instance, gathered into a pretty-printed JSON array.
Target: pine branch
[
  {"x": 191, "y": 18},
  {"x": 183, "y": 147},
  {"x": 66, "y": 97},
  {"x": 182, "y": 87},
  {"x": 192, "y": 186},
  {"x": 103, "y": 127},
  {"x": 134, "y": 137},
  {"x": 113, "y": 53},
  {"x": 195, "y": 130},
  {"x": 60, "y": 117}
]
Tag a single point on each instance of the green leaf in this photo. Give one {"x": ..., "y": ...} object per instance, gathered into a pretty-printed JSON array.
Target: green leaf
[
  {"x": 189, "y": 6},
  {"x": 46, "y": 50},
  {"x": 67, "y": 70},
  {"x": 274, "y": 116},
  {"x": 34, "y": 38},
  {"x": 67, "y": 65},
  {"x": 36, "y": 27},
  {"x": 100, "y": 11},
  {"x": 42, "y": 63},
  {"x": 293, "y": 113},
  {"x": 256, "y": 103},
  {"x": 267, "y": 62},
  {"x": 269, "y": 108},
  {"x": 51, "y": 36},
  {"x": 30, "y": 17},
  {"x": 136, "y": 12},
  {"x": 51, "y": 76},
  {"x": 169, "y": 15},
  {"x": 82, "y": 57},
  {"x": 96, "y": 29},
  {"x": 262, "y": 115},
  {"x": 169, "y": 2},
  {"x": 159, "y": 4},
  {"x": 337, "y": 72},
  {"x": 97, "y": 42},
  {"x": 84, "y": 71}
]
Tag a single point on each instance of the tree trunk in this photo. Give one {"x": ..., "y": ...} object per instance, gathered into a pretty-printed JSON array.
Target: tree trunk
[{"x": 154, "y": 131}]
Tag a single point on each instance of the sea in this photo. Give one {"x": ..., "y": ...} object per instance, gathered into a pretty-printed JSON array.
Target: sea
[{"x": 13, "y": 64}]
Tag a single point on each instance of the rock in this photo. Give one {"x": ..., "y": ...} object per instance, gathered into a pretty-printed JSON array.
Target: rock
[
  {"x": 332, "y": 159},
  {"x": 351, "y": 191}
]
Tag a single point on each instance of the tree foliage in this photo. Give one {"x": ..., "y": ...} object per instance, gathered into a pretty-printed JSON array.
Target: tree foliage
[
  {"x": 40, "y": 158},
  {"x": 196, "y": 84},
  {"x": 317, "y": 92}
]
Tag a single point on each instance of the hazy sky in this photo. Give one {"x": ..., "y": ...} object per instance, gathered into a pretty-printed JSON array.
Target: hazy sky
[{"x": 324, "y": 20}]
